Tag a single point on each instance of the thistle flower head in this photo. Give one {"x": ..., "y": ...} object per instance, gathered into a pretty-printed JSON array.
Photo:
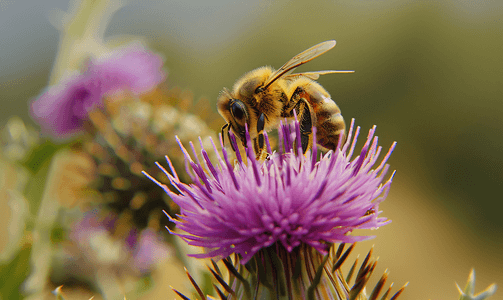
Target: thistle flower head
[
  {"x": 126, "y": 137},
  {"x": 63, "y": 108},
  {"x": 290, "y": 199}
]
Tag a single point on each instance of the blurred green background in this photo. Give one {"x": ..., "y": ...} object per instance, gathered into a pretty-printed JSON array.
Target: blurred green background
[{"x": 429, "y": 74}]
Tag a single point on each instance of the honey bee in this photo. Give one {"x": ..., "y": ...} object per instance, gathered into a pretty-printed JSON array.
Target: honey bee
[{"x": 263, "y": 96}]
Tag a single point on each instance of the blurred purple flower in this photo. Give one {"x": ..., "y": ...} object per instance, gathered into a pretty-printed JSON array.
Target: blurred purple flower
[
  {"x": 150, "y": 251},
  {"x": 289, "y": 199},
  {"x": 140, "y": 251},
  {"x": 63, "y": 108}
]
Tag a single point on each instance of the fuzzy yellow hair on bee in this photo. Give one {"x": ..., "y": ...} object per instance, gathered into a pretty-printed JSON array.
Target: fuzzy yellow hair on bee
[{"x": 262, "y": 97}]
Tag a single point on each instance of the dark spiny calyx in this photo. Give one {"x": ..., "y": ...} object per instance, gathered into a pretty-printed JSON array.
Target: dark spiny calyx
[{"x": 304, "y": 274}]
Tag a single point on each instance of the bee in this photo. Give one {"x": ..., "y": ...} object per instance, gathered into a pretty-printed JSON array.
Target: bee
[{"x": 263, "y": 96}]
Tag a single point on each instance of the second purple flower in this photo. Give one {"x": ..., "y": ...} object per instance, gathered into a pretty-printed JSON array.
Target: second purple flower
[{"x": 62, "y": 110}]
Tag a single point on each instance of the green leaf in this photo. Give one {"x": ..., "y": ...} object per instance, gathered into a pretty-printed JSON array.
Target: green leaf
[
  {"x": 40, "y": 155},
  {"x": 13, "y": 274}
]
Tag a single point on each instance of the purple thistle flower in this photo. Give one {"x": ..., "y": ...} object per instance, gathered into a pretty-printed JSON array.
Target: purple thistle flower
[
  {"x": 290, "y": 199},
  {"x": 62, "y": 110}
]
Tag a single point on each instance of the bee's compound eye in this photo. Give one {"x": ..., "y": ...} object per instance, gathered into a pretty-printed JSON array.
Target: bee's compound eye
[{"x": 238, "y": 110}]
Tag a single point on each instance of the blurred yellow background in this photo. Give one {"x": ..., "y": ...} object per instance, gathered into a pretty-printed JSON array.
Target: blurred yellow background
[{"x": 429, "y": 74}]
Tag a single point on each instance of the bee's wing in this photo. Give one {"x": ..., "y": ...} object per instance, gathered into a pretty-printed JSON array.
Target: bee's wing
[
  {"x": 300, "y": 59},
  {"x": 313, "y": 75}
]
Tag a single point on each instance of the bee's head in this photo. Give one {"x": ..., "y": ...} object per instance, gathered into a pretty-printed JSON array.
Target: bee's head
[
  {"x": 235, "y": 113},
  {"x": 243, "y": 106},
  {"x": 239, "y": 118}
]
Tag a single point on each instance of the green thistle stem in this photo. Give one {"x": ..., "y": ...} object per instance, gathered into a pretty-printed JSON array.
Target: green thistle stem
[
  {"x": 85, "y": 26},
  {"x": 42, "y": 245}
]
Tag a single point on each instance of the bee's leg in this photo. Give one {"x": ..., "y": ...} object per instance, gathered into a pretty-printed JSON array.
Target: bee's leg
[
  {"x": 303, "y": 110},
  {"x": 223, "y": 135},
  {"x": 259, "y": 141},
  {"x": 227, "y": 126},
  {"x": 230, "y": 141}
]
